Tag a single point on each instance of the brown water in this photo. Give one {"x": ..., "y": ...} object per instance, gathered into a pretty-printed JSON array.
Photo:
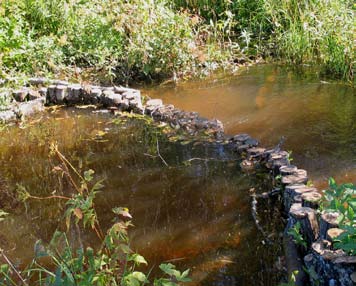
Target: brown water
[
  {"x": 317, "y": 119},
  {"x": 195, "y": 213}
]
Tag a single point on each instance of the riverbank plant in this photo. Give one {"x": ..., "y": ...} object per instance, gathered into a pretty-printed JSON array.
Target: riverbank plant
[
  {"x": 111, "y": 263},
  {"x": 318, "y": 32},
  {"x": 342, "y": 199},
  {"x": 123, "y": 41}
]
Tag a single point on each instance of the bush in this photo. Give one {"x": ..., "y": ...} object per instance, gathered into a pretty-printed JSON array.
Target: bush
[
  {"x": 124, "y": 39},
  {"x": 158, "y": 39}
]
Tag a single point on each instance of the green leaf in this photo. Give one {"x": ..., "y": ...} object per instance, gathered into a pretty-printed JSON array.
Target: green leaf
[
  {"x": 332, "y": 182},
  {"x": 139, "y": 276},
  {"x": 122, "y": 211},
  {"x": 340, "y": 218},
  {"x": 2, "y": 214},
  {"x": 88, "y": 175},
  {"x": 134, "y": 279},
  {"x": 169, "y": 269},
  {"x": 138, "y": 259}
]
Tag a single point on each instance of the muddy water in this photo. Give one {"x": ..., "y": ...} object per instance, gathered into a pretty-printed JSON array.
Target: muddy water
[
  {"x": 194, "y": 212},
  {"x": 317, "y": 119}
]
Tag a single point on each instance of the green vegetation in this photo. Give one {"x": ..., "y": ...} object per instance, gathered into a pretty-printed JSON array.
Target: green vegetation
[
  {"x": 112, "y": 263},
  {"x": 158, "y": 39},
  {"x": 297, "y": 236},
  {"x": 320, "y": 32},
  {"x": 342, "y": 199}
]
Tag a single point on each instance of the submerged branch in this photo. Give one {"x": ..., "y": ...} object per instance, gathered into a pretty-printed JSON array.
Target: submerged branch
[
  {"x": 49, "y": 197},
  {"x": 159, "y": 154},
  {"x": 254, "y": 215},
  {"x": 8, "y": 261}
]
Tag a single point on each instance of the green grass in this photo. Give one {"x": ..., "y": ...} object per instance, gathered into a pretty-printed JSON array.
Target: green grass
[
  {"x": 116, "y": 40},
  {"x": 112, "y": 39},
  {"x": 317, "y": 32}
]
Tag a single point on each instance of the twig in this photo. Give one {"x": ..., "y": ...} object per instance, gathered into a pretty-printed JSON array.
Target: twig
[
  {"x": 8, "y": 261},
  {"x": 210, "y": 159},
  {"x": 149, "y": 155},
  {"x": 159, "y": 154},
  {"x": 254, "y": 214},
  {"x": 49, "y": 197}
]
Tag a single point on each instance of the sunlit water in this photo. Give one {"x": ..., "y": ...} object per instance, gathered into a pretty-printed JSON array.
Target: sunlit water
[
  {"x": 195, "y": 212},
  {"x": 317, "y": 119}
]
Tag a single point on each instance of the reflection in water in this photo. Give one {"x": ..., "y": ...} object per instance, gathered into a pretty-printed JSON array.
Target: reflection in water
[
  {"x": 195, "y": 213},
  {"x": 317, "y": 119}
]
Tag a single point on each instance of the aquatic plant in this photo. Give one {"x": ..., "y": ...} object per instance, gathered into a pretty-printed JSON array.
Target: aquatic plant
[{"x": 112, "y": 263}]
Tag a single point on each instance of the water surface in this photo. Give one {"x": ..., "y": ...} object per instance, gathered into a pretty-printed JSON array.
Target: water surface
[
  {"x": 317, "y": 119},
  {"x": 195, "y": 212}
]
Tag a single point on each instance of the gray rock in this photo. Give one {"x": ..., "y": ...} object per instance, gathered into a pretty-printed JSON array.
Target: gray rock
[
  {"x": 74, "y": 94},
  {"x": 7, "y": 116},
  {"x": 61, "y": 93},
  {"x": 33, "y": 94},
  {"x": 21, "y": 94},
  {"x": 110, "y": 99},
  {"x": 29, "y": 108},
  {"x": 38, "y": 81}
]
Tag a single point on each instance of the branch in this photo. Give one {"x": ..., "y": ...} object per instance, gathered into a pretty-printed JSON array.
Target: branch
[
  {"x": 159, "y": 154},
  {"x": 8, "y": 261}
]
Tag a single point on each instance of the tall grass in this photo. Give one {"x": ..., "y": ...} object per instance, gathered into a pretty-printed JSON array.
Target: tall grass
[
  {"x": 318, "y": 32},
  {"x": 321, "y": 31},
  {"x": 158, "y": 39}
]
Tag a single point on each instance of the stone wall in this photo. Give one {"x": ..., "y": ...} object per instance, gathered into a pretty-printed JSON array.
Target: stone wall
[{"x": 317, "y": 264}]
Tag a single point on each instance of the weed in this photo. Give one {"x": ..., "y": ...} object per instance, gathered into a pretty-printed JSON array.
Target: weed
[
  {"x": 342, "y": 199},
  {"x": 297, "y": 236},
  {"x": 113, "y": 263}
]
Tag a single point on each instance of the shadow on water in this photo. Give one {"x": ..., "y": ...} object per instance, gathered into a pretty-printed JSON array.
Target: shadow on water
[
  {"x": 195, "y": 212},
  {"x": 318, "y": 119}
]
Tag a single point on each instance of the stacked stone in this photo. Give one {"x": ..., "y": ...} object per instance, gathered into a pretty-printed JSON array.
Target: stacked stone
[
  {"x": 190, "y": 122},
  {"x": 58, "y": 92},
  {"x": 114, "y": 98},
  {"x": 334, "y": 267},
  {"x": 301, "y": 204}
]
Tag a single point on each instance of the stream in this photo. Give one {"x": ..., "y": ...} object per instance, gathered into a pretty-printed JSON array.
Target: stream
[{"x": 190, "y": 202}]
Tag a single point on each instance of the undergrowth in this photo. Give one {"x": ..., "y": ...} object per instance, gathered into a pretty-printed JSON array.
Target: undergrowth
[
  {"x": 116, "y": 40},
  {"x": 318, "y": 32}
]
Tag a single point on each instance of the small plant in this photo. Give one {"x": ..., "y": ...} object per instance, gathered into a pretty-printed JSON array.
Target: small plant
[
  {"x": 297, "y": 236},
  {"x": 292, "y": 279},
  {"x": 342, "y": 199},
  {"x": 289, "y": 156},
  {"x": 113, "y": 263},
  {"x": 347, "y": 240}
]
